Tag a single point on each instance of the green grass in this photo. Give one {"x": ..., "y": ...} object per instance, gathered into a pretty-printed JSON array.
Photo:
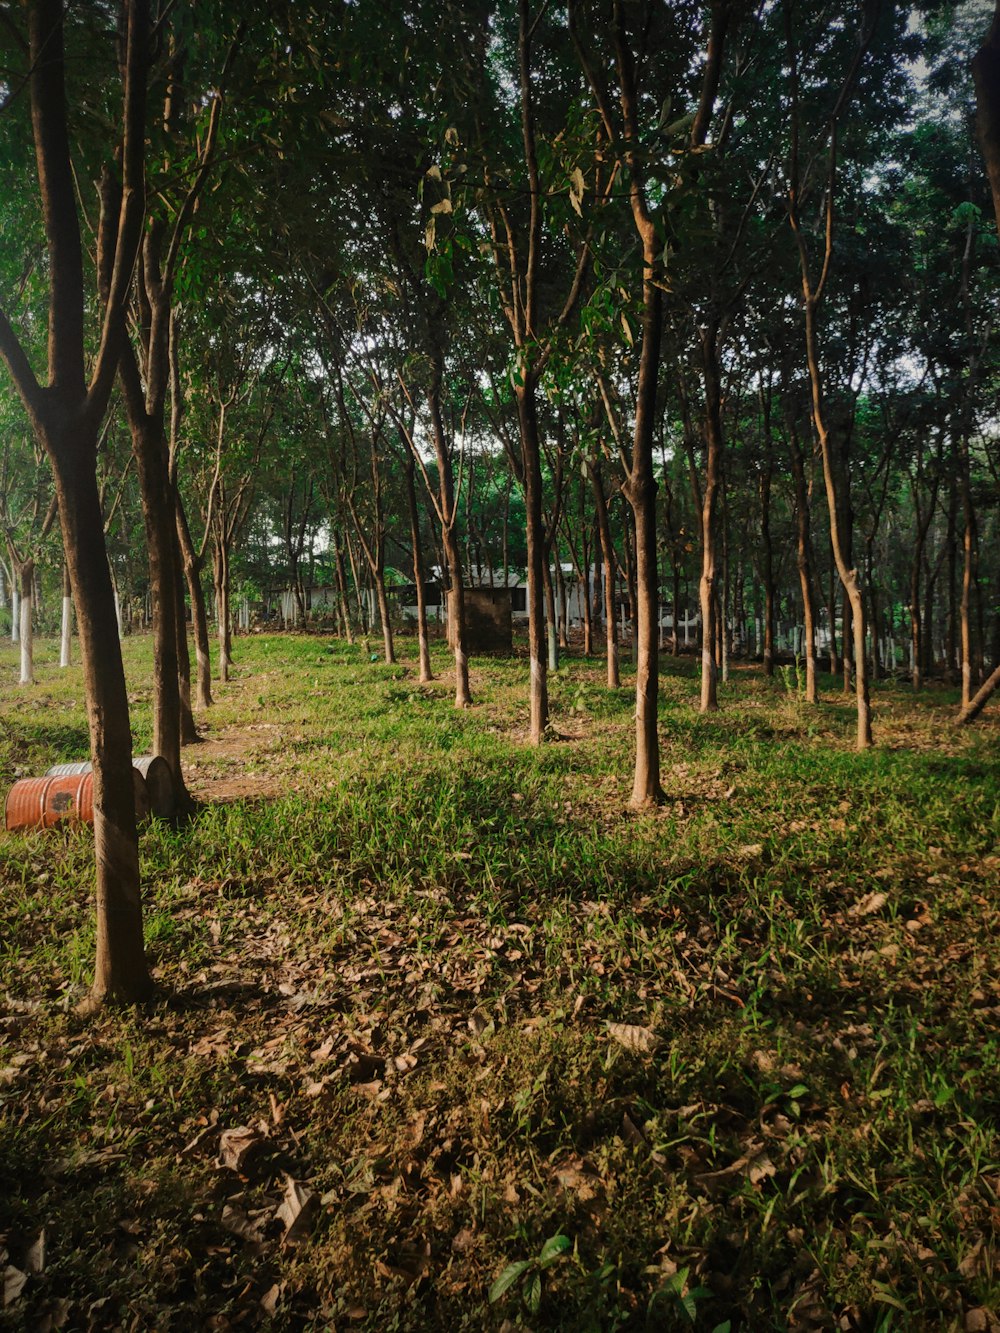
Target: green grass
[{"x": 391, "y": 944}]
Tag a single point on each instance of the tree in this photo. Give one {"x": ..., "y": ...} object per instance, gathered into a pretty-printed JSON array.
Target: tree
[{"x": 66, "y": 415}]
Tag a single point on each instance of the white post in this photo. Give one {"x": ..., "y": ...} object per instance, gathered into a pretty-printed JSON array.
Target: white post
[
  {"x": 15, "y": 615},
  {"x": 27, "y": 664}
]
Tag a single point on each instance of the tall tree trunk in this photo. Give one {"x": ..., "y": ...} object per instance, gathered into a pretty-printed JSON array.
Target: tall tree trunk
[
  {"x": 149, "y": 451},
  {"x": 551, "y": 616},
  {"x": 587, "y": 609},
  {"x": 120, "y": 970},
  {"x": 448, "y": 513},
  {"x": 342, "y": 595},
  {"x": 562, "y": 602},
  {"x": 388, "y": 646},
  {"x": 409, "y": 469},
  {"x": 26, "y": 576},
  {"x": 66, "y": 633},
  {"x": 848, "y": 576},
  {"x": 192, "y": 565},
  {"x": 803, "y": 549},
  {"x": 767, "y": 567},
  {"x": 608, "y": 561},
  {"x": 968, "y": 569},
  {"x": 713, "y": 465},
  {"x": 640, "y": 491},
  {"x": 189, "y": 732},
  {"x": 951, "y": 624},
  {"x": 527, "y": 414},
  {"x": 223, "y": 618}
]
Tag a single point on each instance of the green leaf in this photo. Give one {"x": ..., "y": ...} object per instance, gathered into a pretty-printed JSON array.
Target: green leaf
[
  {"x": 553, "y": 1248},
  {"x": 507, "y": 1279},
  {"x": 533, "y": 1294}
]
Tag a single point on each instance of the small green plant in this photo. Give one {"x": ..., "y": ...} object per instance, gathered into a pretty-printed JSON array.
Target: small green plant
[
  {"x": 529, "y": 1273},
  {"x": 793, "y": 677},
  {"x": 676, "y": 1295}
]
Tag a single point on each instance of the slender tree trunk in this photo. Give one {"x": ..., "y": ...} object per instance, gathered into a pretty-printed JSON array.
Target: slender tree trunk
[
  {"x": 222, "y": 614},
  {"x": 803, "y": 550},
  {"x": 831, "y": 610},
  {"x": 66, "y": 634},
  {"x": 951, "y": 630},
  {"x": 26, "y": 574},
  {"x": 551, "y": 616},
  {"x": 930, "y": 581},
  {"x": 608, "y": 560},
  {"x": 389, "y": 647},
  {"x": 848, "y": 576},
  {"x": 409, "y": 469},
  {"x": 158, "y": 515},
  {"x": 449, "y": 537},
  {"x": 189, "y": 732},
  {"x": 588, "y": 620},
  {"x": 968, "y": 570},
  {"x": 535, "y": 532},
  {"x": 120, "y": 971},
  {"x": 767, "y": 568},
  {"x": 192, "y": 564},
  {"x": 640, "y": 491},
  {"x": 341, "y": 574},
  {"x": 713, "y": 465}
]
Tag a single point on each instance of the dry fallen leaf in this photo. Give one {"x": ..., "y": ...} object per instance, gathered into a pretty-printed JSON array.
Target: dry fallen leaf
[
  {"x": 237, "y": 1222},
  {"x": 236, "y": 1145},
  {"x": 639, "y": 1040},
  {"x": 34, "y": 1259},
  {"x": 871, "y": 902},
  {"x": 13, "y": 1284},
  {"x": 296, "y": 1211},
  {"x": 269, "y": 1301}
]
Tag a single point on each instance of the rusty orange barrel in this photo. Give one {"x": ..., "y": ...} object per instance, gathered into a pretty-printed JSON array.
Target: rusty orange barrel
[
  {"x": 156, "y": 771},
  {"x": 43, "y": 802}
]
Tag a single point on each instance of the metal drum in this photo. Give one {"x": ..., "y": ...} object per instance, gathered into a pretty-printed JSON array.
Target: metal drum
[
  {"x": 156, "y": 771},
  {"x": 44, "y": 802}
]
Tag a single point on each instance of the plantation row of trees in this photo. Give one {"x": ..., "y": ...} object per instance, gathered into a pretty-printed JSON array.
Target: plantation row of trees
[{"x": 699, "y": 294}]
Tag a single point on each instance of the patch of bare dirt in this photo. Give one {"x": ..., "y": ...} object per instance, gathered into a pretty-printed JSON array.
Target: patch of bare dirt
[{"x": 237, "y": 763}]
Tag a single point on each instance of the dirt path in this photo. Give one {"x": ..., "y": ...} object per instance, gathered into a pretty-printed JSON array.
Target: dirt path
[{"x": 237, "y": 763}]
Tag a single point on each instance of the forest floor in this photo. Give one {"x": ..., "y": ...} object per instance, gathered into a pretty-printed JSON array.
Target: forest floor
[{"x": 448, "y": 1038}]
